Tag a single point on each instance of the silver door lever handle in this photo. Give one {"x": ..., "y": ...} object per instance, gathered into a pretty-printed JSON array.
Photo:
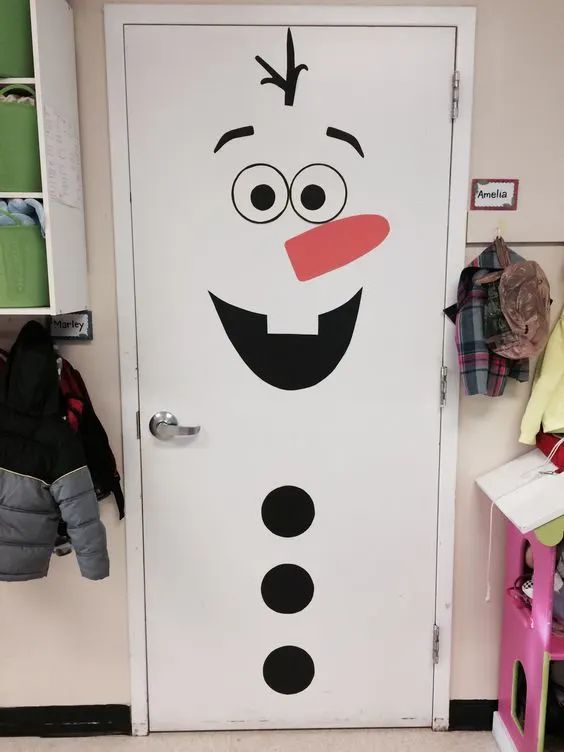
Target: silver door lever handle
[{"x": 164, "y": 426}]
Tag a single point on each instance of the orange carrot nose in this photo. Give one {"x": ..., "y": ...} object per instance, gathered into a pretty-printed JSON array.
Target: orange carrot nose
[{"x": 335, "y": 244}]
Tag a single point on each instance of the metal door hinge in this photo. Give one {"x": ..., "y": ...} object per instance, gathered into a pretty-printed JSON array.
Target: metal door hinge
[
  {"x": 436, "y": 643},
  {"x": 444, "y": 385},
  {"x": 455, "y": 95},
  {"x": 138, "y": 424}
]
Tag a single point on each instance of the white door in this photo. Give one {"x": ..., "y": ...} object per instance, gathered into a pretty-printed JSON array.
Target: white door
[{"x": 290, "y": 193}]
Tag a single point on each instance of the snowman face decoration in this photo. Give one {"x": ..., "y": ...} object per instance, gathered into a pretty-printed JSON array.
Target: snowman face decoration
[{"x": 261, "y": 193}]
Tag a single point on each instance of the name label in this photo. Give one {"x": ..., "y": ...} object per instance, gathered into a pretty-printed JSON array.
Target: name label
[
  {"x": 72, "y": 326},
  {"x": 498, "y": 194}
]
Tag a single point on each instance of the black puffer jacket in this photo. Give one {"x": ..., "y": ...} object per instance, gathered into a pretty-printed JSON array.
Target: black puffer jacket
[{"x": 43, "y": 475}]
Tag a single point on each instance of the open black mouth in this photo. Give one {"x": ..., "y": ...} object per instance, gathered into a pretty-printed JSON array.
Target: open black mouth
[{"x": 289, "y": 361}]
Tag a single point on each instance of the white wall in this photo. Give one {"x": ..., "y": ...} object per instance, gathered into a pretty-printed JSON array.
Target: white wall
[{"x": 64, "y": 640}]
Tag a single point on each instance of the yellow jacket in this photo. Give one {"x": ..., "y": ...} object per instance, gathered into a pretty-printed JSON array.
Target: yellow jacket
[{"x": 546, "y": 405}]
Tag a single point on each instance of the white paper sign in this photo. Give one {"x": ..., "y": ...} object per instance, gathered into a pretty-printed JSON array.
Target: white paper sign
[{"x": 64, "y": 175}]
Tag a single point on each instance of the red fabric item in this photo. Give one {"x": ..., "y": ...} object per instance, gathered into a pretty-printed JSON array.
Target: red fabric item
[
  {"x": 72, "y": 395},
  {"x": 546, "y": 443}
]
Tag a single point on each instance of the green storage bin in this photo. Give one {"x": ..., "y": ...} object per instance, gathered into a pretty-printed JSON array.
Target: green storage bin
[
  {"x": 23, "y": 266},
  {"x": 20, "y": 170},
  {"x": 16, "y": 53}
]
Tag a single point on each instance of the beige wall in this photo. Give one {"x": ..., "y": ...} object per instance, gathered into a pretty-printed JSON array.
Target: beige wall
[{"x": 64, "y": 640}]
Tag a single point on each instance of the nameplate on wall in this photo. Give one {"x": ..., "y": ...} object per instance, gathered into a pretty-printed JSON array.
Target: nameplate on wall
[
  {"x": 494, "y": 194},
  {"x": 72, "y": 326}
]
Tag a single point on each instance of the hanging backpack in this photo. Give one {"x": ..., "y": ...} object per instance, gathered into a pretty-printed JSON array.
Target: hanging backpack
[
  {"x": 517, "y": 311},
  {"x": 83, "y": 420}
]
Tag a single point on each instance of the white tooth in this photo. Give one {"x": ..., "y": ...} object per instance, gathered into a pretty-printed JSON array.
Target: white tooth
[{"x": 286, "y": 323}]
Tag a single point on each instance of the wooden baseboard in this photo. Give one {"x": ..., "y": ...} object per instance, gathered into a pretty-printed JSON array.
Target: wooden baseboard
[
  {"x": 66, "y": 720},
  {"x": 98, "y": 720},
  {"x": 472, "y": 715}
]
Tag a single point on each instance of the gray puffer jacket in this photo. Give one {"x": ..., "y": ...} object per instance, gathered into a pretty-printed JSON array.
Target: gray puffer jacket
[{"x": 43, "y": 474}]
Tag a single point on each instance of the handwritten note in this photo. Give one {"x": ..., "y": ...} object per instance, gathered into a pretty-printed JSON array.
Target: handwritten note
[{"x": 64, "y": 175}]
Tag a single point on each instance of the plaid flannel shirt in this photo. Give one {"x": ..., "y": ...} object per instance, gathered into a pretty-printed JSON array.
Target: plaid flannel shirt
[{"x": 483, "y": 371}]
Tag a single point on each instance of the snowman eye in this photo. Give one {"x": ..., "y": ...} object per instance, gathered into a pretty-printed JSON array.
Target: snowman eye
[
  {"x": 318, "y": 193},
  {"x": 260, "y": 193}
]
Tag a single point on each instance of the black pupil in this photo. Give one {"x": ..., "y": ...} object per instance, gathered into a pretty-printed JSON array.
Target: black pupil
[
  {"x": 263, "y": 197},
  {"x": 313, "y": 197}
]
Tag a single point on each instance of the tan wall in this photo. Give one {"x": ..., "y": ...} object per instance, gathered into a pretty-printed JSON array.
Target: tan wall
[{"x": 64, "y": 640}]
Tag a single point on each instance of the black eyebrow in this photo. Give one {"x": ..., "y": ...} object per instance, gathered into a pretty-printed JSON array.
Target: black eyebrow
[
  {"x": 344, "y": 136},
  {"x": 246, "y": 130}
]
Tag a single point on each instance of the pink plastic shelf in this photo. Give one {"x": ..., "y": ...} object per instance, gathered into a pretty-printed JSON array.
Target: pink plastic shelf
[{"x": 557, "y": 647}]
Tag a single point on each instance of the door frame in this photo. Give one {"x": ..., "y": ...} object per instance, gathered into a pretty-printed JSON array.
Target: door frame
[{"x": 463, "y": 19}]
